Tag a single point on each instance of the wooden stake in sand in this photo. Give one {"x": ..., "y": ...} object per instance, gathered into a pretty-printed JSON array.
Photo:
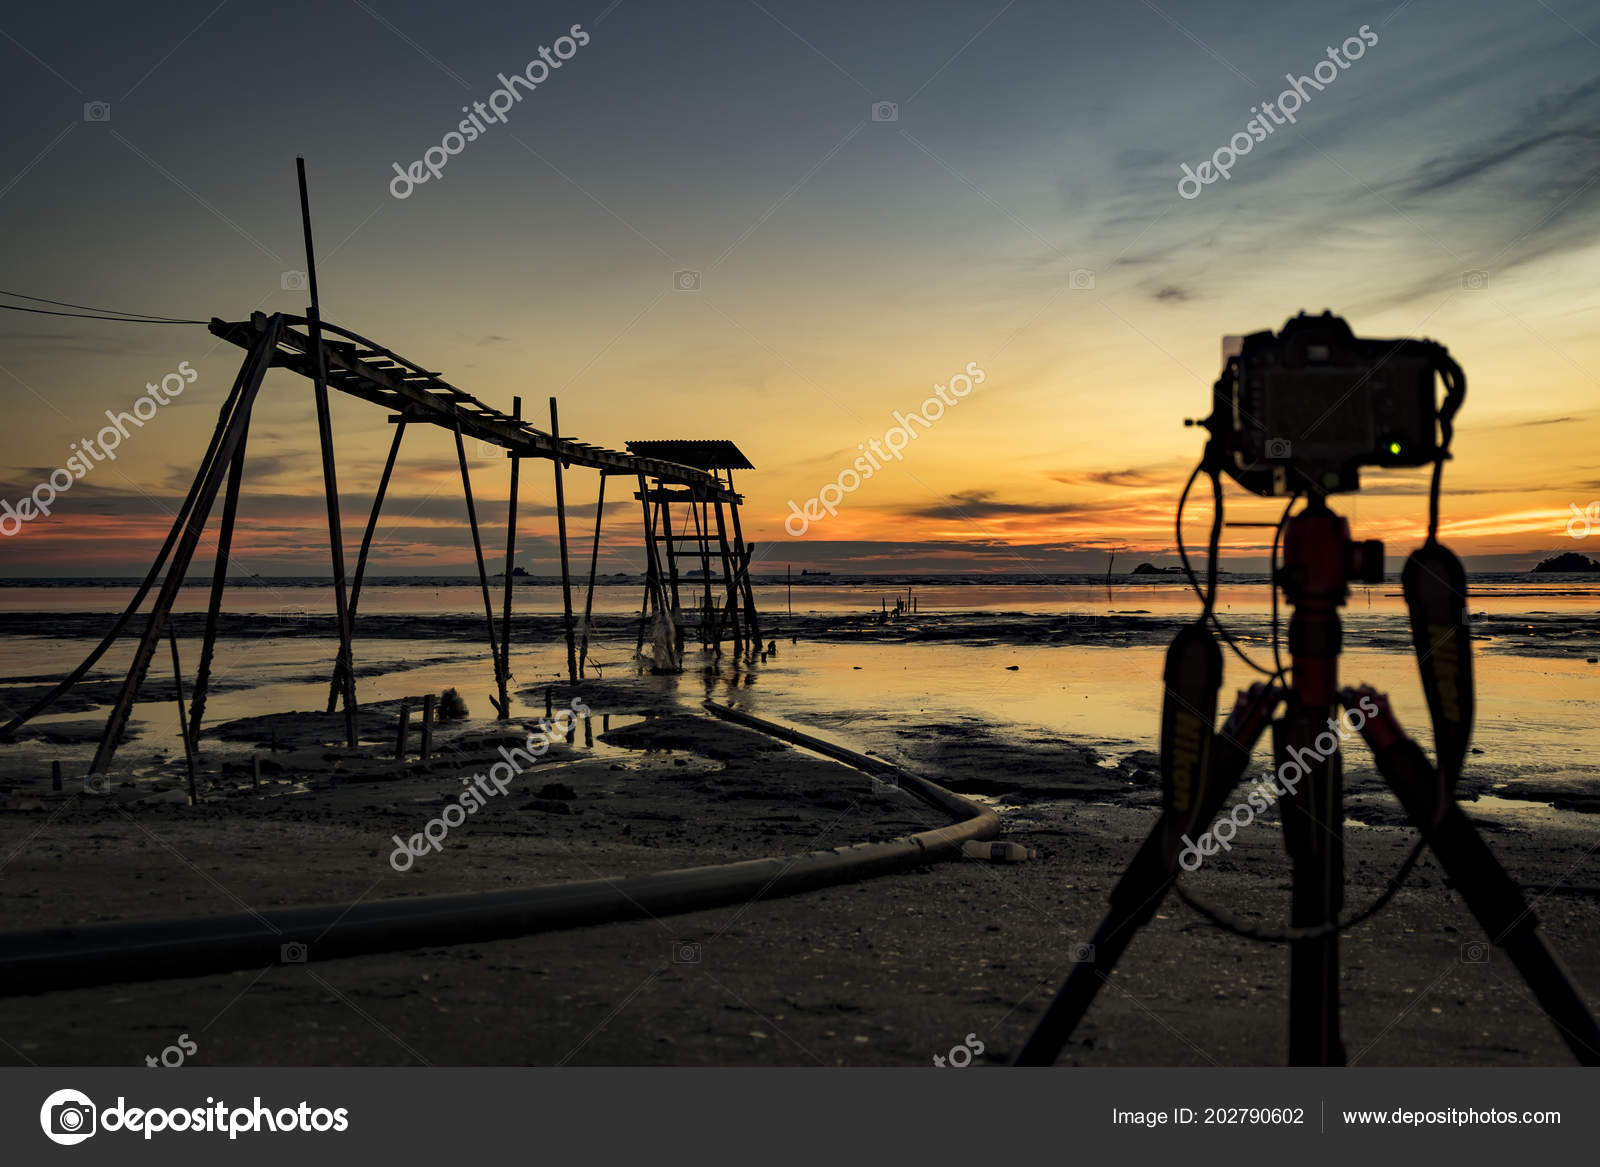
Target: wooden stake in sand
[
  {"x": 427, "y": 727},
  {"x": 55, "y": 776},
  {"x": 401, "y": 729},
  {"x": 255, "y": 771}
]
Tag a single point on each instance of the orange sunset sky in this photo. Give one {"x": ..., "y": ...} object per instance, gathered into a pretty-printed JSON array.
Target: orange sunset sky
[{"x": 847, "y": 261}]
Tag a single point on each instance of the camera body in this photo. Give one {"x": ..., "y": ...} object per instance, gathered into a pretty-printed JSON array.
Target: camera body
[{"x": 1304, "y": 409}]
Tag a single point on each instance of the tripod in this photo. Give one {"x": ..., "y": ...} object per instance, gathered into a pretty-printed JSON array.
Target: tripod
[{"x": 1201, "y": 768}]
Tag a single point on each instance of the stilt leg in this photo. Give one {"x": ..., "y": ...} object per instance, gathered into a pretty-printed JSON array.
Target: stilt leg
[{"x": 483, "y": 574}]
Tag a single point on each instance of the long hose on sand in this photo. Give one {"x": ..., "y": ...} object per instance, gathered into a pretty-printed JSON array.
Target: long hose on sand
[{"x": 76, "y": 956}]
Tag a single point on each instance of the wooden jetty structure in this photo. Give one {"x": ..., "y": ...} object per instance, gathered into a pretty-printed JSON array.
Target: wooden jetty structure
[
  {"x": 693, "y": 478},
  {"x": 724, "y": 564}
]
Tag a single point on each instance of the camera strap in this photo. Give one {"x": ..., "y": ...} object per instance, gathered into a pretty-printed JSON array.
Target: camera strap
[
  {"x": 1190, "y": 679},
  {"x": 1435, "y": 587}
]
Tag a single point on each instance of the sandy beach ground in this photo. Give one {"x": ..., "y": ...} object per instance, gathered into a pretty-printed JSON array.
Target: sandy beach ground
[{"x": 894, "y": 971}]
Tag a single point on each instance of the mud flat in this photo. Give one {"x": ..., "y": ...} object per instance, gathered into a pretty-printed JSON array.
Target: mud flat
[{"x": 888, "y": 972}]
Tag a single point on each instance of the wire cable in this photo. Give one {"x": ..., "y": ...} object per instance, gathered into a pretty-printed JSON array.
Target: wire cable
[
  {"x": 1208, "y": 595},
  {"x": 89, "y": 307},
  {"x": 86, "y": 316},
  {"x": 1289, "y": 935},
  {"x": 1272, "y": 586}
]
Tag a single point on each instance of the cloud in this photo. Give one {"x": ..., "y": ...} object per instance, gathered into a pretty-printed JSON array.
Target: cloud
[
  {"x": 1546, "y": 421},
  {"x": 980, "y": 504},
  {"x": 1129, "y": 479},
  {"x": 1568, "y": 119}
]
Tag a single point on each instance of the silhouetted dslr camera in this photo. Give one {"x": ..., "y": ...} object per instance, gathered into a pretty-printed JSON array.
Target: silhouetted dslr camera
[{"x": 1303, "y": 410}]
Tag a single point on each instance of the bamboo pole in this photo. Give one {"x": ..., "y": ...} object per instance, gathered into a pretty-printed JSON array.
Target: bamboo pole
[
  {"x": 745, "y": 552},
  {"x": 366, "y": 546},
  {"x": 649, "y": 564},
  {"x": 561, "y": 529},
  {"x": 483, "y": 575},
  {"x": 250, "y": 375},
  {"x": 183, "y": 721},
  {"x": 330, "y": 475},
  {"x": 179, "y": 525},
  {"x": 219, "y": 581},
  {"x": 511, "y": 555},
  {"x": 594, "y": 563},
  {"x": 730, "y": 584},
  {"x": 664, "y": 508}
]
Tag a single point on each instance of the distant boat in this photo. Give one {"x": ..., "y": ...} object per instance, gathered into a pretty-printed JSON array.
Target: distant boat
[{"x": 803, "y": 571}]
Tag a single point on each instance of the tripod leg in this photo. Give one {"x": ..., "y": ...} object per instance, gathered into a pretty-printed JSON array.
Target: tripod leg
[
  {"x": 1147, "y": 880},
  {"x": 1313, "y": 821},
  {"x": 1493, "y": 897}
]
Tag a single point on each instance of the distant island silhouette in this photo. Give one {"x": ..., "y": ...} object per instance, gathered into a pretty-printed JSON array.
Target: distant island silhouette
[{"x": 1567, "y": 561}]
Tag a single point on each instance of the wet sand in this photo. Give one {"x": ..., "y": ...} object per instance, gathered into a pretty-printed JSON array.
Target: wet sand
[{"x": 889, "y": 972}]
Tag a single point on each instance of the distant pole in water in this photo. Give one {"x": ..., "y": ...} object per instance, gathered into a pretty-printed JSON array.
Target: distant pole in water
[{"x": 789, "y": 571}]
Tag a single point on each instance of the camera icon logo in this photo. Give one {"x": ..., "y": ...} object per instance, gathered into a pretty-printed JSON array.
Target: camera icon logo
[
  {"x": 97, "y": 111},
  {"x": 685, "y": 952},
  {"x": 1080, "y": 279},
  {"x": 885, "y": 111},
  {"x": 68, "y": 1117},
  {"x": 1081, "y": 953},
  {"x": 1475, "y": 280},
  {"x": 1475, "y": 952},
  {"x": 294, "y": 281},
  {"x": 1279, "y": 449},
  {"x": 686, "y": 281},
  {"x": 292, "y": 953},
  {"x": 96, "y": 784}
]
